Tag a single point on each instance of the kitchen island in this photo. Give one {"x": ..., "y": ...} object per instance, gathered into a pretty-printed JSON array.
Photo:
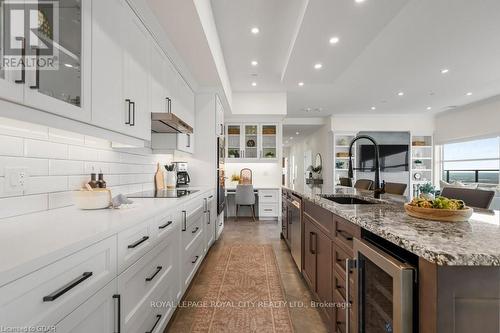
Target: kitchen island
[{"x": 456, "y": 266}]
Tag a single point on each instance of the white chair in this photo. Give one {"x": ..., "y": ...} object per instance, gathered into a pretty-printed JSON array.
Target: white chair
[{"x": 245, "y": 197}]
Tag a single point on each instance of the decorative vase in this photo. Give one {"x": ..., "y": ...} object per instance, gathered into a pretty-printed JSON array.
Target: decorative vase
[{"x": 171, "y": 179}]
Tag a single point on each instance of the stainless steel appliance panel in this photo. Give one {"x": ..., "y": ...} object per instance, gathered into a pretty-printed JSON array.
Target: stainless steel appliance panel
[{"x": 295, "y": 228}]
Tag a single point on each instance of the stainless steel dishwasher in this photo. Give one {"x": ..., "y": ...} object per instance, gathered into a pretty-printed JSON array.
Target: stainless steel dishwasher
[{"x": 295, "y": 227}]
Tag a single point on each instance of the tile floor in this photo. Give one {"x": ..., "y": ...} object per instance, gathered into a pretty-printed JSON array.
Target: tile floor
[{"x": 304, "y": 319}]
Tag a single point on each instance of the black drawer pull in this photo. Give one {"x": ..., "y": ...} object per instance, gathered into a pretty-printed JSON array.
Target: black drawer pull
[
  {"x": 158, "y": 269},
  {"x": 195, "y": 259},
  {"x": 345, "y": 235},
  {"x": 139, "y": 242},
  {"x": 210, "y": 197},
  {"x": 61, "y": 291},
  {"x": 195, "y": 230},
  {"x": 158, "y": 317},
  {"x": 268, "y": 196},
  {"x": 165, "y": 225}
]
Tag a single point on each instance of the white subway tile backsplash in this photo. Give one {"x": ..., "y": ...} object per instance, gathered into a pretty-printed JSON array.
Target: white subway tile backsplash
[
  {"x": 60, "y": 199},
  {"x": 45, "y": 149},
  {"x": 65, "y": 167},
  {"x": 46, "y": 184},
  {"x": 23, "y": 205},
  {"x": 82, "y": 153},
  {"x": 57, "y": 135},
  {"x": 11, "y": 146},
  {"x": 59, "y": 162},
  {"x": 35, "y": 166}
]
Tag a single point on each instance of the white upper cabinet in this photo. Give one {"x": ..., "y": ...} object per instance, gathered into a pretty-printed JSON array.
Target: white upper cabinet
[
  {"x": 219, "y": 117},
  {"x": 120, "y": 70},
  {"x": 252, "y": 142},
  {"x": 158, "y": 80},
  {"x": 59, "y": 79},
  {"x": 183, "y": 102}
]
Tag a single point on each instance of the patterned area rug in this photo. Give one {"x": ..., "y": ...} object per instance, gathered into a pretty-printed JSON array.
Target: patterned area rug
[{"x": 244, "y": 294}]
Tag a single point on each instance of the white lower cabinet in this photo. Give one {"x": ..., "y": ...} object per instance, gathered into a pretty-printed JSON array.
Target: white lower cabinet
[
  {"x": 98, "y": 314},
  {"x": 269, "y": 204},
  {"x": 130, "y": 282}
]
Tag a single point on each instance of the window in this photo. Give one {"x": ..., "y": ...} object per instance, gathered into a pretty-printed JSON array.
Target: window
[{"x": 475, "y": 161}]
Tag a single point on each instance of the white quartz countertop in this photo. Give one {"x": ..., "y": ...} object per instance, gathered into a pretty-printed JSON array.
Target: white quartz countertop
[
  {"x": 29, "y": 242},
  {"x": 256, "y": 187}
]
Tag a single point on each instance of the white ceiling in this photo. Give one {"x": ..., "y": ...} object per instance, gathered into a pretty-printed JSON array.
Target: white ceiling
[
  {"x": 385, "y": 46},
  {"x": 290, "y": 131}
]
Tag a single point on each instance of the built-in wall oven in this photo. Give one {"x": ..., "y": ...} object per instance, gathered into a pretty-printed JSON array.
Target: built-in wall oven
[{"x": 386, "y": 295}]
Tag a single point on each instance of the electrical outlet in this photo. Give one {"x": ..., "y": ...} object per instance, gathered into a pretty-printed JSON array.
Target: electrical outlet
[{"x": 16, "y": 180}]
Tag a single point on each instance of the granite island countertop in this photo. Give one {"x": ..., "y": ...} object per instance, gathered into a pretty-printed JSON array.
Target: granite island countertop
[{"x": 472, "y": 243}]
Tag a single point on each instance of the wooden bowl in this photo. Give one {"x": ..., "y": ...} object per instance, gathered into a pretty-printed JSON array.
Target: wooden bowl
[{"x": 443, "y": 215}]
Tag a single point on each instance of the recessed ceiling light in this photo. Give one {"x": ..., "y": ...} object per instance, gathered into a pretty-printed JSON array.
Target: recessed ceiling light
[
  {"x": 401, "y": 93},
  {"x": 334, "y": 40},
  {"x": 255, "y": 30},
  {"x": 68, "y": 65},
  {"x": 254, "y": 84},
  {"x": 359, "y": 1},
  {"x": 318, "y": 65},
  {"x": 254, "y": 63},
  {"x": 300, "y": 84},
  {"x": 469, "y": 94},
  {"x": 373, "y": 108},
  {"x": 291, "y": 138},
  {"x": 429, "y": 108},
  {"x": 444, "y": 70},
  {"x": 297, "y": 133}
]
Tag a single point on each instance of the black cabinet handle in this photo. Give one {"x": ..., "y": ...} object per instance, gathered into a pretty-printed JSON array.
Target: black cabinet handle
[
  {"x": 37, "y": 70},
  {"x": 61, "y": 291},
  {"x": 118, "y": 312},
  {"x": 184, "y": 220},
  {"x": 139, "y": 242},
  {"x": 158, "y": 269},
  {"x": 195, "y": 230},
  {"x": 132, "y": 123},
  {"x": 210, "y": 197},
  {"x": 189, "y": 140},
  {"x": 195, "y": 259},
  {"x": 209, "y": 217},
  {"x": 311, "y": 248},
  {"x": 345, "y": 235},
  {"x": 163, "y": 226},
  {"x": 23, "y": 56},
  {"x": 158, "y": 317},
  {"x": 128, "y": 102}
]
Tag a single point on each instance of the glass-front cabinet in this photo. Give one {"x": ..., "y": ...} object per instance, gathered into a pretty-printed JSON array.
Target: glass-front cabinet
[
  {"x": 46, "y": 58},
  {"x": 251, "y": 141}
]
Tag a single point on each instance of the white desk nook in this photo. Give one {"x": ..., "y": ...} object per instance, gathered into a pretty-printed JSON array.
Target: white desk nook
[{"x": 268, "y": 202}]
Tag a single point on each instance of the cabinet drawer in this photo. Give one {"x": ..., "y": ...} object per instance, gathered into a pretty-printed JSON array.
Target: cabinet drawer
[
  {"x": 166, "y": 224},
  {"x": 192, "y": 260},
  {"x": 49, "y": 294},
  {"x": 193, "y": 232},
  {"x": 345, "y": 232},
  {"x": 133, "y": 243},
  {"x": 268, "y": 210},
  {"x": 140, "y": 281},
  {"x": 268, "y": 196},
  {"x": 339, "y": 316},
  {"x": 322, "y": 217},
  {"x": 339, "y": 259}
]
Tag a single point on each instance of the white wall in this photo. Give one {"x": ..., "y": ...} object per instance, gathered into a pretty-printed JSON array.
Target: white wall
[
  {"x": 259, "y": 104},
  {"x": 264, "y": 174},
  {"x": 59, "y": 162},
  {"x": 319, "y": 142},
  {"x": 475, "y": 120},
  {"x": 423, "y": 123}
]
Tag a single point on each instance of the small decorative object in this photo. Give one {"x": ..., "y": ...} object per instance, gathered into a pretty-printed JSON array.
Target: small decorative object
[
  {"x": 342, "y": 142},
  {"x": 439, "y": 209},
  {"x": 316, "y": 169},
  {"x": 417, "y": 176},
  {"x": 342, "y": 154},
  {"x": 232, "y": 130},
  {"x": 418, "y": 143},
  {"x": 427, "y": 191},
  {"x": 269, "y": 130},
  {"x": 270, "y": 154},
  {"x": 419, "y": 164},
  {"x": 250, "y": 143},
  {"x": 339, "y": 164},
  {"x": 171, "y": 176}
]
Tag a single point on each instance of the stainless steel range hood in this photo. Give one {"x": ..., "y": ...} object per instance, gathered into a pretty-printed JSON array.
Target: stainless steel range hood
[{"x": 168, "y": 122}]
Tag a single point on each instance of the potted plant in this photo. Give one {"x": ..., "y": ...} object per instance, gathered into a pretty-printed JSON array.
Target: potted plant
[
  {"x": 427, "y": 191},
  {"x": 419, "y": 164}
]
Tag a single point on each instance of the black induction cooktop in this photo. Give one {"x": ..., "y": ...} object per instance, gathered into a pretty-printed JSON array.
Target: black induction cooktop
[{"x": 177, "y": 193}]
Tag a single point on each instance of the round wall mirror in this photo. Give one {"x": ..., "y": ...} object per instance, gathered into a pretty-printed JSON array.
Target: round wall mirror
[{"x": 318, "y": 164}]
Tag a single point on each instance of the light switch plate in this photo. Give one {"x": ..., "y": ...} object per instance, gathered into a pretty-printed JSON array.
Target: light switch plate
[{"x": 16, "y": 180}]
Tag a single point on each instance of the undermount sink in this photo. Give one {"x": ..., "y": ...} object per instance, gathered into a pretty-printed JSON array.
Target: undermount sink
[{"x": 349, "y": 200}]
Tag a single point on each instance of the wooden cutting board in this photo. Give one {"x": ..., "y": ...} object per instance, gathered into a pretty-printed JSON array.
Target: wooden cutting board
[
  {"x": 159, "y": 178},
  {"x": 443, "y": 215}
]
